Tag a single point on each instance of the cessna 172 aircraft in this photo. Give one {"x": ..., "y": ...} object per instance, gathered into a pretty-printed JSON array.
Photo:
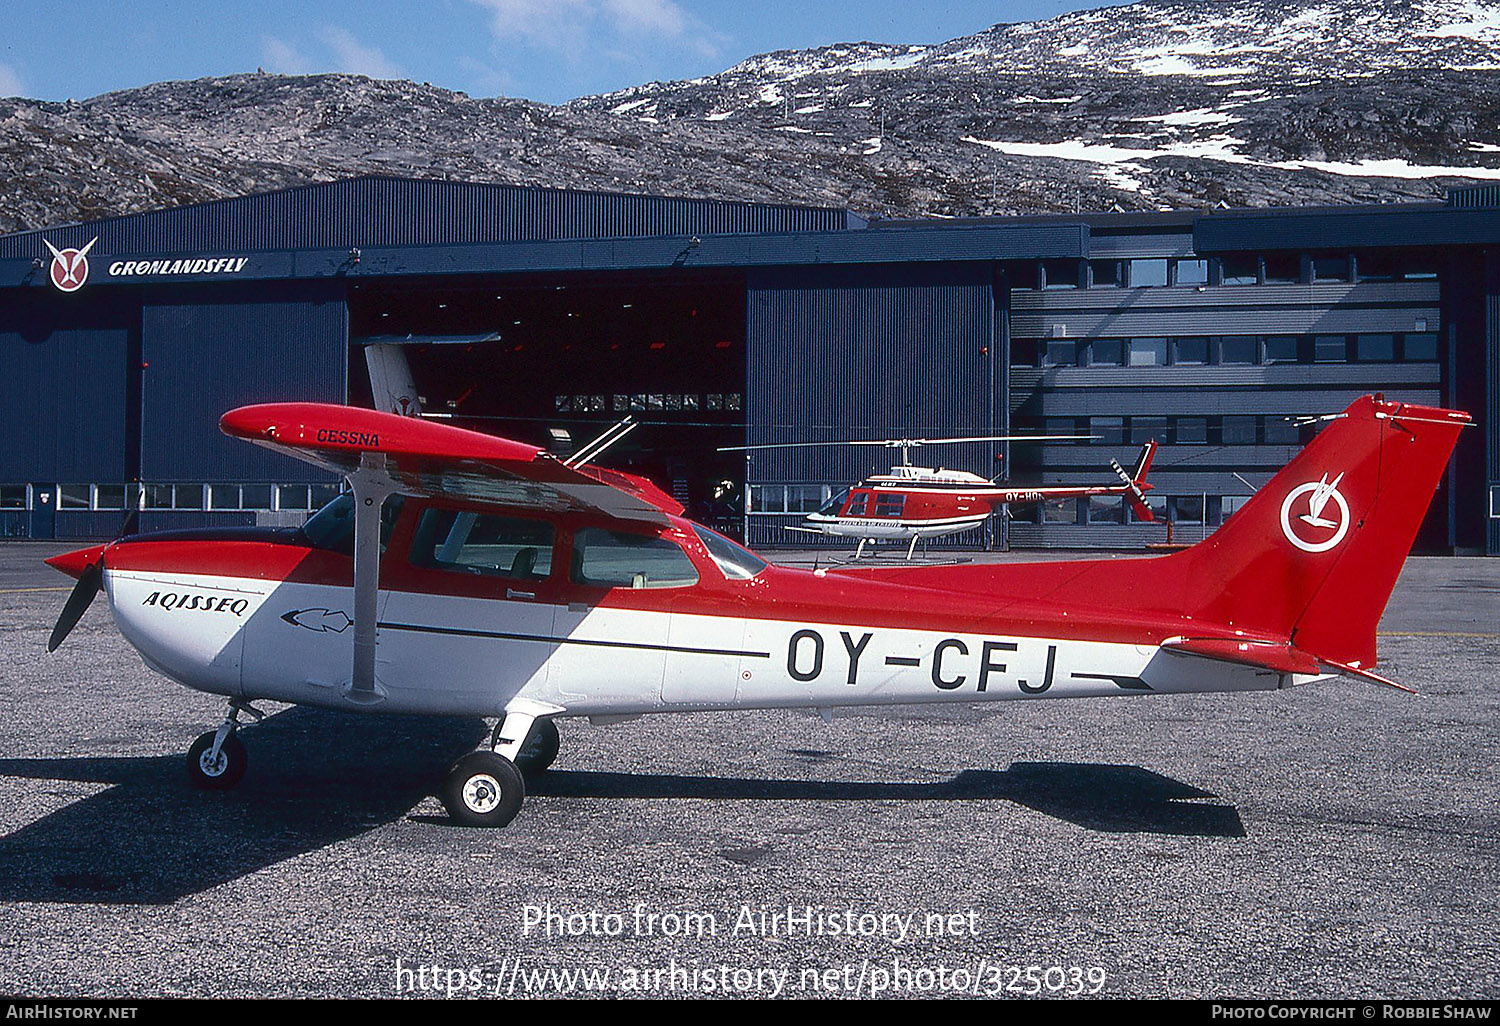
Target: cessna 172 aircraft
[
  {"x": 471, "y": 575},
  {"x": 912, "y": 503}
]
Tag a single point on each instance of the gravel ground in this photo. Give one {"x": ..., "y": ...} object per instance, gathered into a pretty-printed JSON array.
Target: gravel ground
[{"x": 1332, "y": 841}]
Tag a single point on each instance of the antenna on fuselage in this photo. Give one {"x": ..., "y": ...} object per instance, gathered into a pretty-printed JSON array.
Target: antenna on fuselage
[{"x": 596, "y": 448}]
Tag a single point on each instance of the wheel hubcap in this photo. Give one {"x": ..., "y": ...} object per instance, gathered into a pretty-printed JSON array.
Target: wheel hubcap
[
  {"x": 213, "y": 767},
  {"x": 481, "y": 793}
]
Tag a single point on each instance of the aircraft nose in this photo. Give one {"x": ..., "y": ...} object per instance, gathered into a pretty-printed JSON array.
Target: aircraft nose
[{"x": 74, "y": 563}]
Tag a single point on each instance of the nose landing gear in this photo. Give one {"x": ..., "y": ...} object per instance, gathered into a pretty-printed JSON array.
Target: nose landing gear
[{"x": 217, "y": 760}]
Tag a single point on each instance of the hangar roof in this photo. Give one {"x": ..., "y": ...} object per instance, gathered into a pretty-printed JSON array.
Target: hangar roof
[{"x": 379, "y": 226}]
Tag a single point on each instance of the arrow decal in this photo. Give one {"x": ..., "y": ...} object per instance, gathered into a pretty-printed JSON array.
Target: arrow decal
[{"x": 320, "y": 620}]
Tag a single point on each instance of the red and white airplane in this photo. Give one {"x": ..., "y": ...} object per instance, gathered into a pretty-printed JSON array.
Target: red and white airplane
[
  {"x": 914, "y": 503},
  {"x": 470, "y": 575}
]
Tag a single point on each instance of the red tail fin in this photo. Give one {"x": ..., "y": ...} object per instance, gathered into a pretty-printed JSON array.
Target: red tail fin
[{"x": 1313, "y": 556}]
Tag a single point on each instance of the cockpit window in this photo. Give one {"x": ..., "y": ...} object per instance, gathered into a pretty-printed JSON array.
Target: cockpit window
[
  {"x": 735, "y": 561},
  {"x": 483, "y": 543},
  {"x": 618, "y": 559},
  {"x": 834, "y": 505},
  {"x": 332, "y": 527}
]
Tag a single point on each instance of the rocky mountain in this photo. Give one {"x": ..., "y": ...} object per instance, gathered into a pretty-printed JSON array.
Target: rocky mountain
[{"x": 1157, "y": 104}]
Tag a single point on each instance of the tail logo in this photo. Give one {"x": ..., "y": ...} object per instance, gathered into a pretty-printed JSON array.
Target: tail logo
[{"x": 1312, "y": 524}]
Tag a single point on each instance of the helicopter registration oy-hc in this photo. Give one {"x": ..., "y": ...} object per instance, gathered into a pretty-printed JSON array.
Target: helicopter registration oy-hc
[
  {"x": 470, "y": 575},
  {"x": 912, "y": 503}
]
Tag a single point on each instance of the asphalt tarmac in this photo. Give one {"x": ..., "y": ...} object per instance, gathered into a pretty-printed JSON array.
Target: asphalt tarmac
[{"x": 1332, "y": 841}]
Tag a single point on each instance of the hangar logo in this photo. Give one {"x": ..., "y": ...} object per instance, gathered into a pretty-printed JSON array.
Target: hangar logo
[
  {"x": 1312, "y": 531},
  {"x": 70, "y": 267}
]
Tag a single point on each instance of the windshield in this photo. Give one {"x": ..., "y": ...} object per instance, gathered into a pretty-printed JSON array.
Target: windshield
[
  {"x": 735, "y": 561},
  {"x": 834, "y": 505},
  {"x": 332, "y": 527}
]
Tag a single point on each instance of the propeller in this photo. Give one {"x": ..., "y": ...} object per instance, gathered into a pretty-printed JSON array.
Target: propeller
[{"x": 89, "y": 583}]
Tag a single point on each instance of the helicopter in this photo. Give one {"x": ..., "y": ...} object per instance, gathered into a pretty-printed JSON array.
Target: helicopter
[{"x": 913, "y": 503}]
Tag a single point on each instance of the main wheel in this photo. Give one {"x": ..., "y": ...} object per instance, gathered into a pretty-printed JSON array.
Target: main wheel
[
  {"x": 483, "y": 789},
  {"x": 217, "y": 774},
  {"x": 539, "y": 748}
]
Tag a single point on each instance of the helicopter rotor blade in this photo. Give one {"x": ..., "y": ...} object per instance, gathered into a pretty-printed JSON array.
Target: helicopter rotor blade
[{"x": 902, "y": 443}]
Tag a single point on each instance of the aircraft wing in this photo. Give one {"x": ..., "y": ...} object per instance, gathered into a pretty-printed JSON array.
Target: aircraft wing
[{"x": 419, "y": 457}]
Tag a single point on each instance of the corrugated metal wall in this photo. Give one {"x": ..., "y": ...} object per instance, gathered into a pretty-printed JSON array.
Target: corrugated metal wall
[
  {"x": 867, "y": 352},
  {"x": 206, "y": 357},
  {"x": 65, "y": 415},
  {"x": 376, "y": 211}
]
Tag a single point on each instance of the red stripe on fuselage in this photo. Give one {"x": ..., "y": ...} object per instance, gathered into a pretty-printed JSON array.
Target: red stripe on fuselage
[{"x": 999, "y": 600}]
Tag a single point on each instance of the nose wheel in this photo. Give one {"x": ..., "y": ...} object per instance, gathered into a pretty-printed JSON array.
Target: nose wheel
[
  {"x": 484, "y": 790},
  {"x": 216, "y": 767},
  {"x": 217, "y": 760}
]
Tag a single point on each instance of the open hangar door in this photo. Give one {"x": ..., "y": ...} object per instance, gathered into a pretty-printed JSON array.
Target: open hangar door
[{"x": 554, "y": 361}]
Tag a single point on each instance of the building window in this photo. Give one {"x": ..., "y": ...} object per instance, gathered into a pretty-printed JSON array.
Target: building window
[
  {"x": 1283, "y": 268},
  {"x": 1060, "y": 511},
  {"x": 1107, "y": 273},
  {"x": 1060, "y": 426},
  {"x": 1281, "y": 349},
  {"x": 1192, "y": 272},
  {"x": 1375, "y": 348},
  {"x": 1330, "y": 268},
  {"x": 1190, "y": 350},
  {"x": 1024, "y": 352},
  {"x": 1238, "y": 430},
  {"x": 109, "y": 496},
  {"x": 12, "y": 496},
  {"x": 1237, "y": 349},
  {"x": 1110, "y": 430},
  {"x": 1148, "y": 429},
  {"x": 1192, "y": 430},
  {"x": 1106, "y": 509},
  {"x": 1240, "y": 270},
  {"x": 1419, "y": 347},
  {"x": 1186, "y": 509},
  {"x": 1061, "y": 274},
  {"x": 1148, "y": 352},
  {"x": 1330, "y": 349},
  {"x": 1106, "y": 352},
  {"x": 1282, "y": 431},
  {"x": 1147, "y": 273},
  {"x": 1060, "y": 354}
]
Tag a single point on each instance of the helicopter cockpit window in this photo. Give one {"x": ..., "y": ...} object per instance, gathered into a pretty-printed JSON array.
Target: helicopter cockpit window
[
  {"x": 483, "y": 543},
  {"x": 737, "y": 562},
  {"x": 617, "y": 559},
  {"x": 832, "y": 506},
  {"x": 858, "y": 505},
  {"x": 332, "y": 527}
]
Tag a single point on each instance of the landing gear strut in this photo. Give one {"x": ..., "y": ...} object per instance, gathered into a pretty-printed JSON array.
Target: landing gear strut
[
  {"x": 537, "y": 751},
  {"x": 217, "y": 760}
]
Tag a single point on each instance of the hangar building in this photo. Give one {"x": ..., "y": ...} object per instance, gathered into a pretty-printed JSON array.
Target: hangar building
[{"x": 548, "y": 314}]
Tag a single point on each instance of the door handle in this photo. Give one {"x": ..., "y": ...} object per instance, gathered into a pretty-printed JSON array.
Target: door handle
[{"x": 511, "y": 593}]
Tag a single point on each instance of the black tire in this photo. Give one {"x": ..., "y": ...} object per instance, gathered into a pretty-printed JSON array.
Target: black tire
[
  {"x": 539, "y": 749},
  {"x": 223, "y": 773},
  {"x": 483, "y": 790}
]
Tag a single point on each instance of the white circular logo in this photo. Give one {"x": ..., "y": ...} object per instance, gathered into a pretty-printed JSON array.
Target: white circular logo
[
  {"x": 70, "y": 267},
  {"x": 1313, "y": 525}
]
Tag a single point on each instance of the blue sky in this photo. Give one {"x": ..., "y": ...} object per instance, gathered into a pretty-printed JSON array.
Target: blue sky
[{"x": 548, "y": 50}]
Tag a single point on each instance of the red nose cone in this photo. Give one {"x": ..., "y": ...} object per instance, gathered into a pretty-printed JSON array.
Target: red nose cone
[{"x": 74, "y": 563}]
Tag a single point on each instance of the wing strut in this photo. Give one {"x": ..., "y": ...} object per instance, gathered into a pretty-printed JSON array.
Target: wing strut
[{"x": 372, "y": 485}]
